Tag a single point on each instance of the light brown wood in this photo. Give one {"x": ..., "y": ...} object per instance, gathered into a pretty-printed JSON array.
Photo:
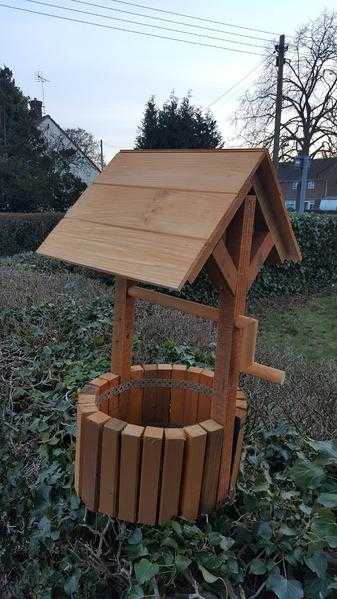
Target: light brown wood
[
  {"x": 176, "y": 303},
  {"x": 135, "y": 401},
  {"x": 164, "y": 371},
  {"x": 150, "y": 413},
  {"x": 195, "y": 446},
  {"x": 269, "y": 183},
  {"x": 237, "y": 451},
  {"x": 122, "y": 333},
  {"x": 155, "y": 210},
  {"x": 225, "y": 264},
  {"x": 249, "y": 328},
  {"x": 139, "y": 255},
  {"x": 270, "y": 218},
  {"x": 260, "y": 256},
  {"x": 83, "y": 410},
  {"x": 247, "y": 224},
  {"x": 174, "y": 440},
  {"x": 204, "y": 401},
  {"x": 177, "y": 395},
  {"x": 266, "y": 372},
  {"x": 111, "y": 406},
  {"x": 178, "y": 207},
  {"x": 131, "y": 439},
  {"x": 211, "y": 465},
  {"x": 223, "y": 354},
  {"x": 109, "y": 478},
  {"x": 91, "y": 451},
  {"x": 150, "y": 470},
  {"x": 87, "y": 399},
  {"x": 214, "y": 274},
  {"x": 191, "y": 400},
  {"x": 248, "y": 343},
  {"x": 193, "y": 170}
]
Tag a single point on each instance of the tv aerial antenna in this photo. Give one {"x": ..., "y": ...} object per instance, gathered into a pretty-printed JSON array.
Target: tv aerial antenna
[{"x": 42, "y": 80}]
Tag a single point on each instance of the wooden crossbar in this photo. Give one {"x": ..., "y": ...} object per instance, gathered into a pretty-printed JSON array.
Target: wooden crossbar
[
  {"x": 260, "y": 257},
  {"x": 225, "y": 264},
  {"x": 176, "y": 303}
]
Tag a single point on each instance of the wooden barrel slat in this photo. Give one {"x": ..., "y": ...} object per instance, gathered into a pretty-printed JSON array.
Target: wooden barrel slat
[
  {"x": 83, "y": 410},
  {"x": 204, "y": 401},
  {"x": 191, "y": 397},
  {"x": 177, "y": 396},
  {"x": 150, "y": 471},
  {"x": 129, "y": 472},
  {"x": 91, "y": 449},
  {"x": 111, "y": 443},
  {"x": 110, "y": 406},
  {"x": 164, "y": 458},
  {"x": 135, "y": 397},
  {"x": 164, "y": 371},
  {"x": 150, "y": 412},
  {"x": 174, "y": 441},
  {"x": 195, "y": 445},
  {"x": 211, "y": 465},
  {"x": 239, "y": 430}
]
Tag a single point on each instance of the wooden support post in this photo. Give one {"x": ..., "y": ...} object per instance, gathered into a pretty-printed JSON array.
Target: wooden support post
[
  {"x": 226, "y": 378},
  {"x": 122, "y": 329}
]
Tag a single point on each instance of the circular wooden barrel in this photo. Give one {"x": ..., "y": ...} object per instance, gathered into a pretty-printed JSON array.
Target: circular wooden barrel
[{"x": 147, "y": 449}]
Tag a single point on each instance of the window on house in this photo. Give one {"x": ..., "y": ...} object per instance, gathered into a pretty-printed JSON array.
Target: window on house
[
  {"x": 309, "y": 205},
  {"x": 294, "y": 185},
  {"x": 291, "y": 204},
  {"x": 311, "y": 185}
]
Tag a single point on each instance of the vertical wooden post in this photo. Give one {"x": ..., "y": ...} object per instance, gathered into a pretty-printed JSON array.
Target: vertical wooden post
[
  {"x": 122, "y": 335},
  {"x": 227, "y": 368}
]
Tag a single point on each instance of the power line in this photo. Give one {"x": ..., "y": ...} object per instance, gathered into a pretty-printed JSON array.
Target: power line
[
  {"x": 235, "y": 85},
  {"x": 101, "y": 26},
  {"x": 139, "y": 14},
  {"x": 185, "y": 15},
  {"x": 100, "y": 15}
]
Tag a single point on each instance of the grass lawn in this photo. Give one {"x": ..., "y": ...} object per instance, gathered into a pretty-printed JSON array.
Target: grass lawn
[{"x": 309, "y": 329}]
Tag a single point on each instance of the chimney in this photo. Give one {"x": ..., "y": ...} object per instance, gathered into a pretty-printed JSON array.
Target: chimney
[{"x": 36, "y": 109}]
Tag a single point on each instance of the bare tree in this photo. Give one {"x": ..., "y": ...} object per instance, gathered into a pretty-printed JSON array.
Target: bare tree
[
  {"x": 309, "y": 112},
  {"x": 86, "y": 142}
]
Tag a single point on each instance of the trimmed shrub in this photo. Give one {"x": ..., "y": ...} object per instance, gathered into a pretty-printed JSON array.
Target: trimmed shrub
[
  {"x": 317, "y": 238},
  {"x": 22, "y": 232}
]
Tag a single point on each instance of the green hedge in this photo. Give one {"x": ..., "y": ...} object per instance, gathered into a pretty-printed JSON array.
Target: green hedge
[
  {"x": 316, "y": 234},
  {"x": 317, "y": 237},
  {"x": 23, "y": 232}
]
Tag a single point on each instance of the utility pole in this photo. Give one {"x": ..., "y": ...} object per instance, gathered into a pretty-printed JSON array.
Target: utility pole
[
  {"x": 281, "y": 49},
  {"x": 102, "y": 155},
  {"x": 304, "y": 166}
]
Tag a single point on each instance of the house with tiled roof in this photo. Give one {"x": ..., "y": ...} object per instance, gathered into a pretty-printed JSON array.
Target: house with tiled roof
[
  {"x": 321, "y": 188},
  {"x": 81, "y": 165}
]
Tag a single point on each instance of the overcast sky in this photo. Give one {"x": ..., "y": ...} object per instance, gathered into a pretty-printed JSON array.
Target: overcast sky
[{"x": 100, "y": 79}]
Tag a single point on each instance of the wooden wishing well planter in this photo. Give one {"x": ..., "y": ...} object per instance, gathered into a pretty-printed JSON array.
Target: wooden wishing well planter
[{"x": 159, "y": 440}]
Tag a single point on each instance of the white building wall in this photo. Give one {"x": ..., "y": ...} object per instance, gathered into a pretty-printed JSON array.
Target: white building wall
[{"x": 81, "y": 167}]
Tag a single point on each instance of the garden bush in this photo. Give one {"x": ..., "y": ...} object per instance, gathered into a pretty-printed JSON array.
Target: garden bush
[
  {"x": 317, "y": 238},
  {"x": 23, "y": 232},
  {"x": 277, "y": 539}
]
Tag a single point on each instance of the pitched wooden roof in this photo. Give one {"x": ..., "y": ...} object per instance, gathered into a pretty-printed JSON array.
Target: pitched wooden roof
[{"x": 155, "y": 216}]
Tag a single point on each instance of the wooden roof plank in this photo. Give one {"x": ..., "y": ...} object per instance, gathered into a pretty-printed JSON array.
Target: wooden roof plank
[
  {"x": 149, "y": 257},
  {"x": 185, "y": 213},
  {"x": 212, "y": 171},
  {"x": 157, "y": 216}
]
